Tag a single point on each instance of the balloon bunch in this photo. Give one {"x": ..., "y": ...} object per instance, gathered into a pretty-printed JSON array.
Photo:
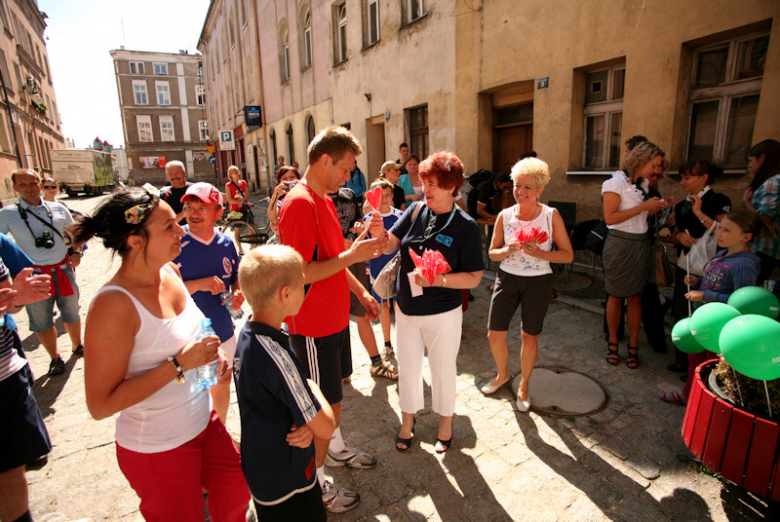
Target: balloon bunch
[
  {"x": 744, "y": 332},
  {"x": 529, "y": 235},
  {"x": 431, "y": 263}
]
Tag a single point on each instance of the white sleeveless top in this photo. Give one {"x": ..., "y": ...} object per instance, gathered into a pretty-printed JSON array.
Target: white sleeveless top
[
  {"x": 519, "y": 263},
  {"x": 177, "y": 413}
]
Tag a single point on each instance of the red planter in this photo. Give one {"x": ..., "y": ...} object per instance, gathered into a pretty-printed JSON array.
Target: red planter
[{"x": 740, "y": 446}]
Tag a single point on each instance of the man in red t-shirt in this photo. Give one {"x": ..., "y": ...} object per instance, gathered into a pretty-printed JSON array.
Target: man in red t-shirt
[{"x": 320, "y": 332}]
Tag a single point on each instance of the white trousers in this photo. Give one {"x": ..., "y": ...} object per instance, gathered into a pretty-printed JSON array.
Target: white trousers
[{"x": 441, "y": 334}]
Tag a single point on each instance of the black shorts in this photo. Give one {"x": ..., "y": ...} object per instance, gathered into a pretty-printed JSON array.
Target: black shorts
[
  {"x": 355, "y": 307},
  {"x": 532, "y": 294},
  {"x": 326, "y": 361},
  {"x": 23, "y": 434},
  {"x": 301, "y": 506}
]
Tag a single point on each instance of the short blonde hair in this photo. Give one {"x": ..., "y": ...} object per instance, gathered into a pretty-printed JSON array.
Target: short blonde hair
[
  {"x": 384, "y": 183},
  {"x": 232, "y": 169},
  {"x": 265, "y": 270},
  {"x": 640, "y": 156},
  {"x": 534, "y": 167}
]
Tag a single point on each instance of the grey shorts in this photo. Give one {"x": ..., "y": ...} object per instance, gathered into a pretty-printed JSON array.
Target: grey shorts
[
  {"x": 531, "y": 294},
  {"x": 41, "y": 313}
]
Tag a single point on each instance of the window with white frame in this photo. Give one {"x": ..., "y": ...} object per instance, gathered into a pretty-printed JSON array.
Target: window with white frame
[
  {"x": 139, "y": 92},
  {"x": 723, "y": 101},
  {"x": 372, "y": 22},
  {"x": 163, "y": 93},
  {"x": 166, "y": 129},
  {"x": 340, "y": 15},
  {"x": 137, "y": 68},
  {"x": 144, "y": 128},
  {"x": 200, "y": 94},
  {"x": 307, "y": 54},
  {"x": 285, "y": 54},
  {"x": 414, "y": 9},
  {"x": 603, "y": 118},
  {"x": 203, "y": 130},
  {"x": 161, "y": 68}
]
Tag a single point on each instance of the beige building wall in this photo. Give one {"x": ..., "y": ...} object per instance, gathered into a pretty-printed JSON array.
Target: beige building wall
[
  {"x": 504, "y": 43},
  {"x": 29, "y": 120},
  {"x": 411, "y": 65}
]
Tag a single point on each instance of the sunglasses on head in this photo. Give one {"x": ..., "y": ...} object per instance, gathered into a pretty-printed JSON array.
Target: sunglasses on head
[{"x": 50, "y": 186}]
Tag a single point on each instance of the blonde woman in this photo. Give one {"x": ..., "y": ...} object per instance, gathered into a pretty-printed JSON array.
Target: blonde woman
[{"x": 524, "y": 277}]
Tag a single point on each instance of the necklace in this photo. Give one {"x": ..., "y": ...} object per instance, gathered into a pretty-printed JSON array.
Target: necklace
[{"x": 536, "y": 213}]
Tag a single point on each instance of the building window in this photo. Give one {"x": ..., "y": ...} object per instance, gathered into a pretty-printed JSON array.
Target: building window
[
  {"x": 166, "y": 128},
  {"x": 163, "y": 93},
  {"x": 418, "y": 131},
  {"x": 310, "y": 132},
  {"x": 290, "y": 144},
  {"x": 341, "y": 32},
  {"x": 243, "y": 12},
  {"x": 285, "y": 55},
  {"x": 4, "y": 143},
  {"x": 372, "y": 22},
  {"x": 307, "y": 55},
  {"x": 139, "y": 92},
  {"x": 203, "y": 130},
  {"x": 161, "y": 68},
  {"x": 4, "y": 68},
  {"x": 144, "y": 128},
  {"x": 723, "y": 101},
  {"x": 232, "y": 32},
  {"x": 273, "y": 144},
  {"x": 200, "y": 95},
  {"x": 414, "y": 9},
  {"x": 603, "y": 118},
  {"x": 136, "y": 67}
]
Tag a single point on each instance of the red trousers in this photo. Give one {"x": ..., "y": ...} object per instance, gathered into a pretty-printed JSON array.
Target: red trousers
[{"x": 170, "y": 483}]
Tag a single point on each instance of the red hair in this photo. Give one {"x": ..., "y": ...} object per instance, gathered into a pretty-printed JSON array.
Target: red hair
[{"x": 445, "y": 169}]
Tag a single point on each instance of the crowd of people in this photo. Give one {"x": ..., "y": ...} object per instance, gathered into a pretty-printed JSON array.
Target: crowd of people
[{"x": 289, "y": 362}]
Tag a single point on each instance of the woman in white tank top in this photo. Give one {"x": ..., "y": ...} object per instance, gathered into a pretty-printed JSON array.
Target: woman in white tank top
[
  {"x": 141, "y": 354},
  {"x": 524, "y": 277}
]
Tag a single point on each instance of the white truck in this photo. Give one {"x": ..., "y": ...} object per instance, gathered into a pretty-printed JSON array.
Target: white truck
[{"x": 83, "y": 170}]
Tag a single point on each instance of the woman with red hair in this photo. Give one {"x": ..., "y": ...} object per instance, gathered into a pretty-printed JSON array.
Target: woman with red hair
[{"x": 430, "y": 315}]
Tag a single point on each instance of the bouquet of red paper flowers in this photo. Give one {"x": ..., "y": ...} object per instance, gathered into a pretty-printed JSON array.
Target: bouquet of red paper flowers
[
  {"x": 530, "y": 234},
  {"x": 432, "y": 262}
]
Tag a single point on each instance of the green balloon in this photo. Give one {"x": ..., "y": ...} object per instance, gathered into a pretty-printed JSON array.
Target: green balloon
[
  {"x": 751, "y": 345},
  {"x": 755, "y": 300},
  {"x": 683, "y": 339},
  {"x": 708, "y": 321}
]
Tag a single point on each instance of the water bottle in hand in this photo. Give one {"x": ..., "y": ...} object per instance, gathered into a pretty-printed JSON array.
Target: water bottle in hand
[
  {"x": 206, "y": 375},
  {"x": 227, "y": 302}
]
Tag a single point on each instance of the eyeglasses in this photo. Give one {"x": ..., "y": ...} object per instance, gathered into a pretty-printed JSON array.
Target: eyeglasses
[
  {"x": 50, "y": 187},
  {"x": 429, "y": 229},
  {"x": 136, "y": 215}
]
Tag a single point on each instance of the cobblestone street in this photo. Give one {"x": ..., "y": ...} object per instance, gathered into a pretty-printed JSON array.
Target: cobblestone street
[{"x": 619, "y": 463}]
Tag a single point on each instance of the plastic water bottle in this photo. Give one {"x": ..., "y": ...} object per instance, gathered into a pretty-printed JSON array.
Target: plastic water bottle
[
  {"x": 227, "y": 302},
  {"x": 206, "y": 375}
]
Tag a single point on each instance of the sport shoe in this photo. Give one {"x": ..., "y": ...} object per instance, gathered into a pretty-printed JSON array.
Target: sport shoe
[
  {"x": 338, "y": 500},
  {"x": 57, "y": 366},
  {"x": 350, "y": 457}
]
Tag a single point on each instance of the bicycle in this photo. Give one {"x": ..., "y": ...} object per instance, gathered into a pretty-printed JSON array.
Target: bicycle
[{"x": 243, "y": 229}]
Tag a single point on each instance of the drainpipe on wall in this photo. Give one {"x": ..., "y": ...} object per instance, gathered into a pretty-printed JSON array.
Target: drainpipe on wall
[{"x": 268, "y": 167}]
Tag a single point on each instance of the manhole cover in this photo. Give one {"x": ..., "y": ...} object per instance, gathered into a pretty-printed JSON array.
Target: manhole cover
[{"x": 562, "y": 392}]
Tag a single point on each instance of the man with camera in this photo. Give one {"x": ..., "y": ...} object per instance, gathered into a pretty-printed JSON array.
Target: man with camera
[{"x": 39, "y": 229}]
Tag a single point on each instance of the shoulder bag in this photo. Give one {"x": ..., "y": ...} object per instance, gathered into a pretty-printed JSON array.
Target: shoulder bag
[{"x": 385, "y": 283}]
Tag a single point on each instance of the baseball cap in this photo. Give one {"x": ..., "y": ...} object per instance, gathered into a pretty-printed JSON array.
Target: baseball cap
[
  {"x": 387, "y": 165},
  {"x": 203, "y": 191}
]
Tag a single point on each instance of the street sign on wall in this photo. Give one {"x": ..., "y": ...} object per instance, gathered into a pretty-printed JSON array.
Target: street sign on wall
[{"x": 226, "y": 141}]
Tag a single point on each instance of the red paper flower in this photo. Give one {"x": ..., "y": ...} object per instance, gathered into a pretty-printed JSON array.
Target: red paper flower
[
  {"x": 530, "y": 234},
  {"x": 374, "y": 197},
  {"x": 431, "y": 263}
]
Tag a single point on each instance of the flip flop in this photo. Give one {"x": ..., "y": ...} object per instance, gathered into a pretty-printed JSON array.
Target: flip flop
[{"x": 674, "y": 398}]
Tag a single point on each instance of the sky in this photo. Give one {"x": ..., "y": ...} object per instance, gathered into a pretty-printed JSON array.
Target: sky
[{"x": 78, "y": 38}]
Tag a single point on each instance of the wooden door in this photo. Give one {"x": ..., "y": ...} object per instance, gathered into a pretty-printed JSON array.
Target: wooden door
[{"x": 513, "y": 141}]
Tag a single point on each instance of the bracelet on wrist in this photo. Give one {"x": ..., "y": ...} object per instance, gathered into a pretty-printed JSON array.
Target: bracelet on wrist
[{"x": 180, "y": 379}]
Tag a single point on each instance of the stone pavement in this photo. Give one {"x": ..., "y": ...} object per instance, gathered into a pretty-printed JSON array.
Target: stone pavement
[{"x": 616, "y": 464}]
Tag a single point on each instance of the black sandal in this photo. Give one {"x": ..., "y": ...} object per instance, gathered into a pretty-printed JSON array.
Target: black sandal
[
  {"x": 632, "y": 361},
  {"x": 612, "y": 355},
  {"x": 405, "y": 442},
  {"x": 442, "y": 445}
]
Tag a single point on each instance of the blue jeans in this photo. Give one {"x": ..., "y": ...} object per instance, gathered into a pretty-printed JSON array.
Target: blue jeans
[{"x": 41, "y": 314}]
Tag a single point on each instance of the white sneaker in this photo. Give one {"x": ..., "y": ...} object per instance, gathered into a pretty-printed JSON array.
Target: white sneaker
[
  {"x": 338, "y": 500},
  {"x": 350, "y": 457}
]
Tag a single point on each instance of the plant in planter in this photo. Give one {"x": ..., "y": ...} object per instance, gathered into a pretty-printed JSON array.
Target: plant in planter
[
  {"x": 40, "y": 107},
  {"x": 730, "y": 421}
]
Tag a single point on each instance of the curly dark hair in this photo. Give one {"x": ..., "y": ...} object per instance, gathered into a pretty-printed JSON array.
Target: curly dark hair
[{"x": 108, "y": 222}]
